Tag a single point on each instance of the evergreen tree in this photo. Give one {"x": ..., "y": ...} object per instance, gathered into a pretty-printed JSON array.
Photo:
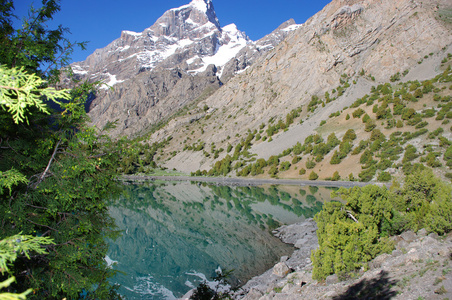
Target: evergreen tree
[{"x": 55, "y": 171}]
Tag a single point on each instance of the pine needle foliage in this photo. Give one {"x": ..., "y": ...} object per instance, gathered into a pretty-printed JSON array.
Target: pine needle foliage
[
  {"x": 19, "y": 90},
  {"x": 56, "y": 172}
]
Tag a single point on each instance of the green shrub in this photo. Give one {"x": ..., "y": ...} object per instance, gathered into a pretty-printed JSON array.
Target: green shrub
[
  {"x": 410, "y": 153},
  {"x": 384, "y": 164},
  {"x": 302, "y": 171},
  {"x": 350, "y": 135},
  {"x": 377, "y": 135},
  {"x": 398, "y": 108},
  {"x": 297, "y": 149},
  {"x": 285, "y": 165},
  {"x": 421, "y": 125},
  {"x": 349, "y": 234},
  {"x": 448, "y": 155},
  {"x": 362, "y": 145},
  {"x": 418, "y": 93},
  {"x": 428, "y": 113},
  {"x": 358, "y": 113},
  {"x": 336, "y": 176},
  {"x": 425, "y": 202},
  {"x": 370, "y": 125},
  {"x": 366, "y": 157},
  {"x": 295, "y": 159},
  {"x": 319, "y": 158},
  {"x": 336, "y": 158},
  {"x": 313, "y": 176},
  {"x": 273, "y": 171},
  {"x": 414, "y": 120},
  {"x": 273, "y": 160},
  {"x": 332, "y": 141},
  {"x": 366, "y": 118},
  {"x": 367, "y": 174},
  {"x": 408, "y": 113},
  {"x": 384, "y": 177},
  {"x": 310, "y": 164},
  {"x": 432, "y": 161},
  {"x": 395, "y": 77},
  {"x": 353, "y": 232}
]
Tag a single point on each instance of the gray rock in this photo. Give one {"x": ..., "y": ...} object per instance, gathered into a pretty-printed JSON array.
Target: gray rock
[
  {"x": 433, "y": 235},
  {"x": 378, "y": 261},
  {"x": 402, "y": 245},
  {"x": 332, "y": 279},
  {"x": 429, "y": 241},
  {"x": 397, "y": 252},
  {"x": 408, "y": 236},
  {"x": 421, "y": 233},
  {"x": 253, "y": 294},
  {"x": 303, "y": 232},
  {"x": 445, "y": 252},
  {"x": 412, "y": 257},
  {"x": 281, "y": 269},
  {"x": 329, "y": 294}
]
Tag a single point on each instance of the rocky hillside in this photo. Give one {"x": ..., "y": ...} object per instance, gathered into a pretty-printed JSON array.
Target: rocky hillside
[
  {"x": 321, "y": 68},
  {"x": 184, "y": 57},
  {"x": 418, "y": 268}
]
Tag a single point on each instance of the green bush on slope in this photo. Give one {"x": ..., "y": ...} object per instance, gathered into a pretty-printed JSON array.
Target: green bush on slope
[{"x": 352, "y": 233}]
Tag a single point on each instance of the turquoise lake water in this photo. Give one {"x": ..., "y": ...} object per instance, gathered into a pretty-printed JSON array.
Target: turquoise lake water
[{"x": 177, "y": 234}]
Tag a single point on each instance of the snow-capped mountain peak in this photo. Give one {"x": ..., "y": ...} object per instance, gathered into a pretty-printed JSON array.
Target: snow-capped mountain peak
[
  {"x": 189, "y": 36},
  {"x": 202, "y": 5},
  {"x": 183, "y": 54},
  {"x": 198, "y": 12}
]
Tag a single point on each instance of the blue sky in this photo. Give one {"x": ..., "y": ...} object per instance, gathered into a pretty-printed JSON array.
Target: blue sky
[{"x": 100, "y": 21}]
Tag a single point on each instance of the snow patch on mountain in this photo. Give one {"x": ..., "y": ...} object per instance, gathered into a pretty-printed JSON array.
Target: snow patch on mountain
[
  {"x": 137, "y": 34},
  {"x": 78, "y": 70},
  {"x": 199, "y": 5},
  {"x": 237, "y": 41},
  {"x": 292, "y": 27},
  {"x": 111, "y": 81}
]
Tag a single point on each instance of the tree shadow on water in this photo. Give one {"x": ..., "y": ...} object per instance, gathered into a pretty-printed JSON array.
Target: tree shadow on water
[{"x": 375, "y": 288}]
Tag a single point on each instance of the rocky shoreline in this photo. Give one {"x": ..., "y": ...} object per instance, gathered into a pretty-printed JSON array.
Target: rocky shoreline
[
  {"x": 234, "y": 181},
  {"x": 303, "y": 236},
  {"x": 420, "y": 267}
]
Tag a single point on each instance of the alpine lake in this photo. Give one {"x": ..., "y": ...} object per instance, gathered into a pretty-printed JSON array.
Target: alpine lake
[{"x": 176, "y": 235}]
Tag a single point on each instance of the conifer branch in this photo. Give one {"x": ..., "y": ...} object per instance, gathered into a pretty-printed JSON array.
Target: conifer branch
[
  {"x": 48, "y": 165},
  {"x": 349, "y": 213}
]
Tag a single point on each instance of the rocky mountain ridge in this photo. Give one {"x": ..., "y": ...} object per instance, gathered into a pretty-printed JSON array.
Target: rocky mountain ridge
[
  {"x": 185, "y": 55},
  {"x": 365, "y": 42}
]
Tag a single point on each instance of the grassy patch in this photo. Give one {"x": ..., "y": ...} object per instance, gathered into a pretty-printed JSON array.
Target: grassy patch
[{"x": 445, "y": 15}]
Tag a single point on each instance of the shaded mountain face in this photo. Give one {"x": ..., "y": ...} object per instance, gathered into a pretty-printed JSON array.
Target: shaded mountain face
[{"x": 179, "y": 59}]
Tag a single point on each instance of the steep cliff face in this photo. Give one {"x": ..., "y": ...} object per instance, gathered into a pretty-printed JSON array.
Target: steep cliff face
[
  {"x": 356, "y": 39},
  {"x": 177, "y": 60}
]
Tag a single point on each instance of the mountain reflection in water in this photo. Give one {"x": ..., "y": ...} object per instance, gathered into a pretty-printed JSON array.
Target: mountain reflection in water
[{"x": 175, "y": 235}]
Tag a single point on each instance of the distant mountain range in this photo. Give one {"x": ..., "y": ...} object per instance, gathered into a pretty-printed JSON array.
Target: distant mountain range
[
  {"x": 220, "y": 100},
  {"x": 185, "y": 54}
]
